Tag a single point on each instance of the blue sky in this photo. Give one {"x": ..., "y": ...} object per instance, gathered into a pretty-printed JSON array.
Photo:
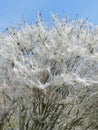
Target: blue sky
[{"x": 11, "y": 11}]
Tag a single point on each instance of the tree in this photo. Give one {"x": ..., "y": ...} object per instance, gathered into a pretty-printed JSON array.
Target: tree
[{"x": 49, "y": 77}]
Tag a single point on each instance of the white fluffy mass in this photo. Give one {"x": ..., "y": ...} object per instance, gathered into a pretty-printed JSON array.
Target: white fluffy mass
[{"x": 64, "y": 56}]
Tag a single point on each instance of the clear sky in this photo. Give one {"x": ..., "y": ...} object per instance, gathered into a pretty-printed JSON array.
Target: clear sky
[{"x": 11, "y": 11}]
